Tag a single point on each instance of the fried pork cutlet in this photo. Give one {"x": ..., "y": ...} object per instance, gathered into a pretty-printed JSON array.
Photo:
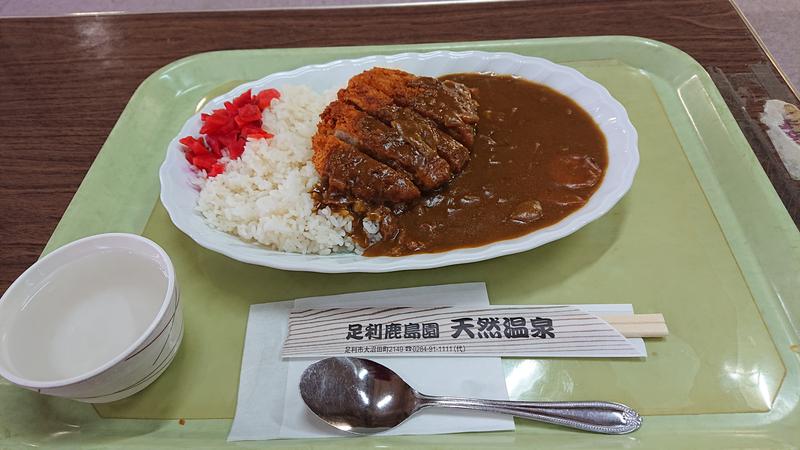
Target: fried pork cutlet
[{"x": 388, "y": 139}]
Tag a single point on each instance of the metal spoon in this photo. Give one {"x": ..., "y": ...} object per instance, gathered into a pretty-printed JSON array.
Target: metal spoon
[{"x": 363, "y": 397}]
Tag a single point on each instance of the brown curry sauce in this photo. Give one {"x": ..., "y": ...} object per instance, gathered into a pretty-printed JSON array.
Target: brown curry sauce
[{"x": 537, "y": 158}]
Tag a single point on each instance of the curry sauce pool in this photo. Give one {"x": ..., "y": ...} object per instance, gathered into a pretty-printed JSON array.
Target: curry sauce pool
[{"x": 537, "y": 158}]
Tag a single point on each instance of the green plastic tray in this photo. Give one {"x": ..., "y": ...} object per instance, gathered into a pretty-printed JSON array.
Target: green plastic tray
[{"x": 702, "y": 237}]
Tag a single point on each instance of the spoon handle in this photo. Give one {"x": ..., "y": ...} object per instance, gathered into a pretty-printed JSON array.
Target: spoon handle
[{"x": 597, "y": 417}]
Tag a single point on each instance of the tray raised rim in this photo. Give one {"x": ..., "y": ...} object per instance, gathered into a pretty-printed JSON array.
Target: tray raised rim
[{"x": 674, "y": 70}]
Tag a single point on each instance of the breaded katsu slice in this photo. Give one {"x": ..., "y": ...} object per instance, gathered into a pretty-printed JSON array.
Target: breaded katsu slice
[
  {"x": 414, "y": 129},
  {"x": 351, "y": 172},
  {"x": 447, "y": 103},
  {"x": 382, "y": 143}
]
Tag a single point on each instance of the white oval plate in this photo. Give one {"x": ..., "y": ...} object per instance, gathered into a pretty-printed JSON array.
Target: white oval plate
[{"x": 179, "y": 196}]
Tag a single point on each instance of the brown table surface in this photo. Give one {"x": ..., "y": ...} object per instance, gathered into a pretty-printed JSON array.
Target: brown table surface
[{"x": 65, "y": 81}]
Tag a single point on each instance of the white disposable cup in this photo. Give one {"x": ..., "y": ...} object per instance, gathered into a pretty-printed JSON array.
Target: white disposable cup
[{"x": 96, "y": 320}]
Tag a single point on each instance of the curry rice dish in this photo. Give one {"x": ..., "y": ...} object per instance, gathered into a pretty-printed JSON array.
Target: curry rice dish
[
  {"x": 398, "y": 164},
  {"x": 429, "y": 165}
]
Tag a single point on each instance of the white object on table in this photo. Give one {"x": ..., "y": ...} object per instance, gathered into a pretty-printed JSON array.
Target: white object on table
[
  {"x": 96, "y": 320},
  {"x": 783, "y": 120}
]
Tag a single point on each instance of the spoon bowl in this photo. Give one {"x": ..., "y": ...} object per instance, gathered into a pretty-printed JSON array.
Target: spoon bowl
[
  {"x": 357, "y": 395},
  {"x": 361, "y": 396}
]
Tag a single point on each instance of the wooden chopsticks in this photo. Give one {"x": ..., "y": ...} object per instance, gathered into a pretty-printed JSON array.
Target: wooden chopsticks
[{"x": 638, "y": 325}]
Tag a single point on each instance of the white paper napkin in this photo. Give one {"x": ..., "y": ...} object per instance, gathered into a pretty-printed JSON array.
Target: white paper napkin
[{"x": 269, "y": 404}]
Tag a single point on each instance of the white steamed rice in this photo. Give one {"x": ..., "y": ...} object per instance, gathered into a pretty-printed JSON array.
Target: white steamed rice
[{"x": 264, "y": 196}]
